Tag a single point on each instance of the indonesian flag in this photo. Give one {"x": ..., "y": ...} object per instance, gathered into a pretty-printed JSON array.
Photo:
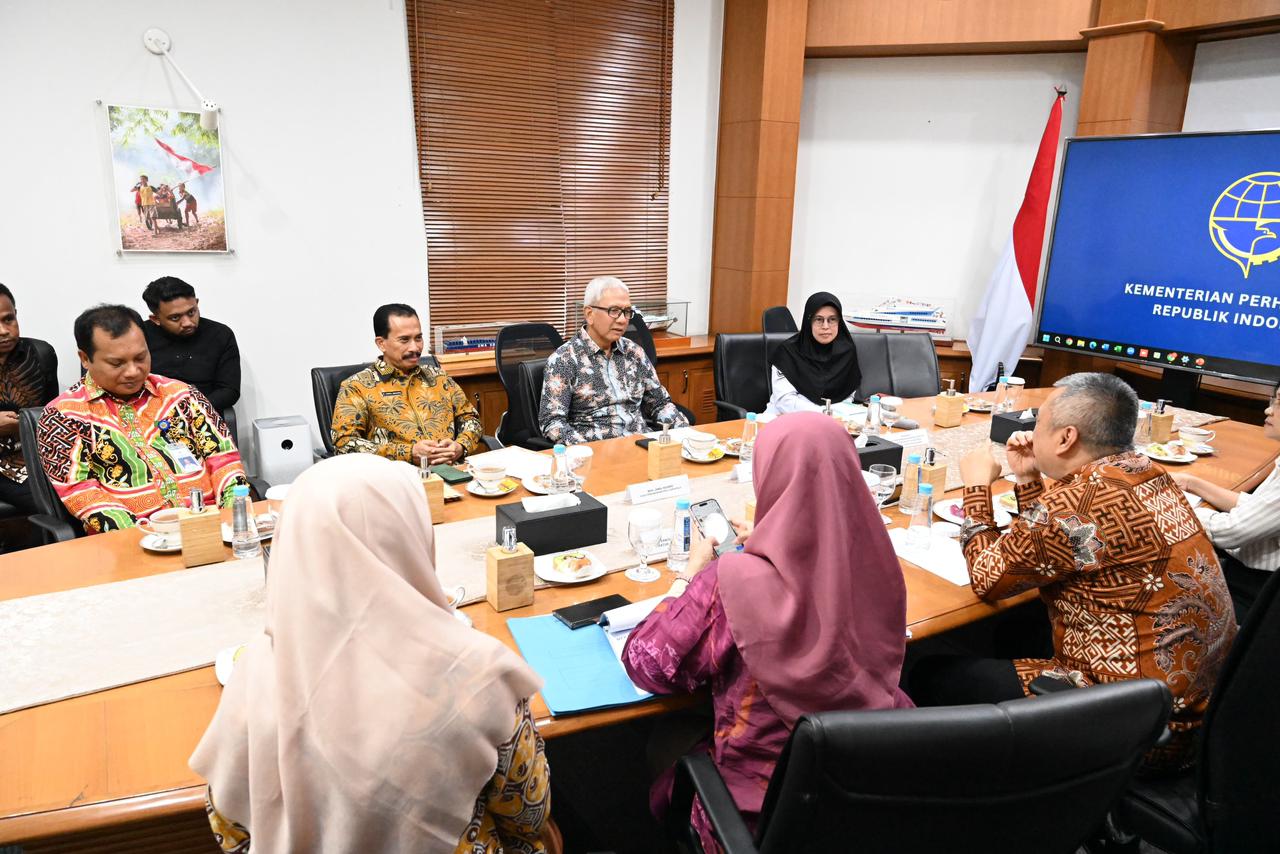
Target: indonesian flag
[
  {"x": 188, "y": 168},
  {"x": 1000, "y": 329}
]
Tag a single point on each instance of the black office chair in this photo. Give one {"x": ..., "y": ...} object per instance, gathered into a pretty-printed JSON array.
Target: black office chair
[
  {"x": 903, "y": 364},
  {"x": 233, "y": 427},
  {"x": 1021, "y": 776},
  {"x": 1231, "y": 800},
  {"x": 529, "y": 376},
  {"x": 54, "y": 522},
  {"x": 48, "y": 359},
  {"x": 638, "y": 331},
  {"x": 518, "y": 343},
  {"x": 741, "y": 372},
  {"x": 778, "y": 319}
]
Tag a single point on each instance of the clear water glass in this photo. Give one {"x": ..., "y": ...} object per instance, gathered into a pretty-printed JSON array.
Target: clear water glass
[
  {"x": 890, "y": 412},
  {"x": 886, "y": 481},
  {"x": 644, "y": 532}
]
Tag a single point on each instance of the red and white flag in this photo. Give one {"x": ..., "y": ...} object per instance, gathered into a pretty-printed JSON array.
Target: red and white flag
[
  {"x": 187, "y": 167},
  {"x": 999, "y": 331}
]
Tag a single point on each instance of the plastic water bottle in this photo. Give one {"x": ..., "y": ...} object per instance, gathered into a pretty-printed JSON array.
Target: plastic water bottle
[
  {"x": 749, "y": 430},
  {"x": 1143, "y": 437},
  {"x": 907, "y": 501},
  {"x": 871, "y": 427},
  {"x": 561, "y": 478},
  {"x": 681, "y": 537},
  {"x": 920, "y": 533},
  {"x": 244, "y": 531}
]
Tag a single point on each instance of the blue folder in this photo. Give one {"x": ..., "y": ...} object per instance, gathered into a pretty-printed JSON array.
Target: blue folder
[{"x": 578, "y": 666}]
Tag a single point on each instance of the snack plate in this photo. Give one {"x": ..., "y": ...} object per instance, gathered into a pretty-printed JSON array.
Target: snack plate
[
  {"x": 1166, "y": 453},
  {"x": 505, "y": 487},
  {"x": 714, "y": 455},
  {"x": 952, "y": 510},
  {"x": 546, "y": 568}
]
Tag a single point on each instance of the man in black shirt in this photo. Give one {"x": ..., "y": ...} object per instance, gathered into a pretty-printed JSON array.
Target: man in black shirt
[
  {"x": 184, "y": 346},
  {"x": 28, "y": 377}
]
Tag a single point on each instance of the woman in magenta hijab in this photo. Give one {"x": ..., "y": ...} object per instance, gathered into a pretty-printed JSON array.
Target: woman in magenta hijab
[{"x": 809, "y": 617}]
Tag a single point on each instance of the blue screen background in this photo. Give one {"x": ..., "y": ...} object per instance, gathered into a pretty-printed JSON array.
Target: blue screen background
[{"x": 1138, "y": 210}]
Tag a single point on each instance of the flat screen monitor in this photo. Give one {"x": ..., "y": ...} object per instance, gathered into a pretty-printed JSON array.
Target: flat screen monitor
[{"x": 1166, "y": 251}]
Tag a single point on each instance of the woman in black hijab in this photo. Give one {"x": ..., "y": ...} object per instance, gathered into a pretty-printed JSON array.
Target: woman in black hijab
[{"x": 817, "y": 362}]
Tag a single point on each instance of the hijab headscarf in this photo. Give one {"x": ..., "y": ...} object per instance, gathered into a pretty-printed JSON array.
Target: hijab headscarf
[
  {"x": 366, "y": 717},
  {"x": 816, "y": 601},
  {"x": 820, "y": 370}
]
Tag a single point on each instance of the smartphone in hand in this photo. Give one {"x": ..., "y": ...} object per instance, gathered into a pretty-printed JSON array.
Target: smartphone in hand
[{"x": 712, "y": 522}]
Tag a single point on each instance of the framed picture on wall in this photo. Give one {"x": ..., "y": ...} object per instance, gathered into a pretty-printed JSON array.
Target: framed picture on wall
[{"x": 167, "y": 181}]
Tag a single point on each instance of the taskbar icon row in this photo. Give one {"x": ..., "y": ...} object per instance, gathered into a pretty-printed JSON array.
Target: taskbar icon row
[{"x": 1191, "y": 361}]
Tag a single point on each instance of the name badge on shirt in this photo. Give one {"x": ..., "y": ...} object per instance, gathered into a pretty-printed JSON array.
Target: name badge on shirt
[{"x": 183, "y": 458}]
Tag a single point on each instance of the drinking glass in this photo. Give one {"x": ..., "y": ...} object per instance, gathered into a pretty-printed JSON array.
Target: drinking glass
[
  {"x": 644, "y": 532},
  {"x": 579, "y": 459},
  {"x": 890, "y": 412},
  {"x": 886, "y": 481}
]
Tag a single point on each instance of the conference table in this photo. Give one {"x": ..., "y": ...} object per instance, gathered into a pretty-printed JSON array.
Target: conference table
[{"x": 109, "y": 760}]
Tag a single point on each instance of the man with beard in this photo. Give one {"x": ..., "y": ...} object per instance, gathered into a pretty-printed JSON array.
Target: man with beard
[{"x": 184, "y": 346}]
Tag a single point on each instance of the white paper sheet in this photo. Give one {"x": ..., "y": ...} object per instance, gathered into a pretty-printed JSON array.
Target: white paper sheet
[
  {"x": 520, "y": 462},
  {"x": 942, "y": 557}
]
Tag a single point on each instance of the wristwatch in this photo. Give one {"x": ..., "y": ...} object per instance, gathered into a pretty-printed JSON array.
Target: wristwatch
[{"x": 969, "y": 529}]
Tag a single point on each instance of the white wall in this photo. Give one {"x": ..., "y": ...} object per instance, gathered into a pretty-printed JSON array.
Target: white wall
[
  {"x": 324, "y": 209},
  {"x": 910, "y": 172},
  {"x": 695, "y": 112},
  {"x": 1234, "y": 85}
]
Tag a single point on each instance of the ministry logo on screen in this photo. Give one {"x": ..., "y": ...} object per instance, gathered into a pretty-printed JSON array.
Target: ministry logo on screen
[{"x": 1245, "y": 221}]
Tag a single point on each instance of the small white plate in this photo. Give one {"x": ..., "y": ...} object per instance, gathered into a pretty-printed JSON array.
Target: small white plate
[
  {"x": 1202, "y": 450},
  {"x": 506, "y": 486},
  {"x": 717, "y": 453},
  {"x": 732, "y": 447},
  {"x": 952, "y": 510},
  {"x": 544, "y": 567},
  {"x": 160, "y": 544},
  {"x": 1157, "y": 453},
  {"x": 259, "y": 521},
  {"x": 538, "y": 488},
  {"x": 225, "y": 661}
]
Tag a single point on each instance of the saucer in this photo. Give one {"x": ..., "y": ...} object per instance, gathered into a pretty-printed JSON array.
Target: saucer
[
  {"x": 505, "y": 486},
  {"x": 716, "y": 453},
  {"x": 537, "y": 484},
  {"x": 161, "y": 544},
  {"x": 1202, "y": 450}
]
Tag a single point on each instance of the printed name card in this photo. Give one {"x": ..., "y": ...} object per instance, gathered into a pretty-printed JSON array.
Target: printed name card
[
  {"x": 741, "y": 472},
  {"x": 656, "y": 490}
]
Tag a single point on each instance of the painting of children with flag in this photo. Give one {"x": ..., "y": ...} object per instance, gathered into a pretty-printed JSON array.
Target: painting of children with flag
[{"x": 168, "y": 178}]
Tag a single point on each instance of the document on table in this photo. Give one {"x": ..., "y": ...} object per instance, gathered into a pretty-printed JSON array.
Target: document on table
[
  {"x": 943, "y": 556},
  {"x": 520, "y": 463},
  {"x": 619, "y": 622},
  {"x": 582, "y": 668}
]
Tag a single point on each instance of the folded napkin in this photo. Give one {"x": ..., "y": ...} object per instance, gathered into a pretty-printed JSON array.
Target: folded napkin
[{"x": 542, "y": 503}]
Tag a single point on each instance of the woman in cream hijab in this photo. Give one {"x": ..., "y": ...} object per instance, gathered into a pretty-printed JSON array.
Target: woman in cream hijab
[{"x": 366, "y": 717}]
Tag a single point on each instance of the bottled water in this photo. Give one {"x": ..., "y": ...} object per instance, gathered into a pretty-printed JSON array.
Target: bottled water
[
  {"x": 244, "y": 531},
  {"x": 910, "y": 485},
  {"x": 871, "y": 427},
  {"x": 749, "y": 430},
  {"x": 1143, "y": 437},
  {"x": 681, "y": 537},
  {"x": 920, "y": 533}
]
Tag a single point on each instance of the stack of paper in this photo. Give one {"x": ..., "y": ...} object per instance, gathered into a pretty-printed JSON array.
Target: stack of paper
[{"x": 941, "y": 556}]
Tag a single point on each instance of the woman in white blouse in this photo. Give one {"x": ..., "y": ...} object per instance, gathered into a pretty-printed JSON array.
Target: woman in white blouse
[
  {"x": 1245, "y": 526},
  {"x": 817, "y": 363}
]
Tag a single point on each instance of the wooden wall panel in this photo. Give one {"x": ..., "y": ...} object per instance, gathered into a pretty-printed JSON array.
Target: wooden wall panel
[
  {"x": 761, "y": 78},
  {"x": 1135, "y": 82},
  {"x": 905, "y": 27},
  {"x": 1210, "y": 14}
]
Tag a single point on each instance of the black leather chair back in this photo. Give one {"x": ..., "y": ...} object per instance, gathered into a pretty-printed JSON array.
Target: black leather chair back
[
  {"x": 873, "y": 361},
  {"x": 518, "y": 343},
  {"x": 778, "y": 319},
  {"x": 772, "y": 340},
  {"x": 737, "y": 368},
  {"x": 233, "y": 424},
  {"x": 1022, "y": 776},
  {"x": 1239, "y": 769},
  {"x": 324, "y": 391},
  {"x": 529, "y": 375},
  {"x": 638, "y": 331},
  {"x": 913, "y": 364},
  {"x": 46, "y": 500}
]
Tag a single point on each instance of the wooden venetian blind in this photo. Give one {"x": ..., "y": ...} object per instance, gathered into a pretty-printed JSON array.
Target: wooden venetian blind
[{"x": 543, "y": 149}]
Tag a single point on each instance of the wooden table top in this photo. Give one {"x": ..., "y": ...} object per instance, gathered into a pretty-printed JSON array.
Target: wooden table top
[{"x": 121, "y": 754}]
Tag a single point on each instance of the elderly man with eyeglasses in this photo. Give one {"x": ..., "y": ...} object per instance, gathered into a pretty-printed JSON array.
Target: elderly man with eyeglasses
[{"x": 600, "y": 385}]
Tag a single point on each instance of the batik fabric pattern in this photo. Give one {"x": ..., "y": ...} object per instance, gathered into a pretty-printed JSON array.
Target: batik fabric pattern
[
  {"x": 588, "y": 394},
  {"x": 1131, "y": 582},
  {"x": 110, "y": 460},
  {"x": 685, "y": 644},
  {"x": 22, "y": 384},
  {"x": 384, "y": 411},
  {"x": 510, "y": 813}
]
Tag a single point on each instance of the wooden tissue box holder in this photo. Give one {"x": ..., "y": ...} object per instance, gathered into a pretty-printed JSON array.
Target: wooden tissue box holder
[
  {"x": 433, "y": 486},
  {"x": 948, "y": 410},
  {"x": 664, "y": 460},
  {"x": 508, "y": 577},
  {"x": 1161, "y": 427},
  {"x": 201, "y": 537}
]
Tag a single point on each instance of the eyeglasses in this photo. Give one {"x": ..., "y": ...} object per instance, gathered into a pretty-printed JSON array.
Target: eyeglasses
[
  {"x": 826, "y": 321},
  {"x": 615, "y": 311}
]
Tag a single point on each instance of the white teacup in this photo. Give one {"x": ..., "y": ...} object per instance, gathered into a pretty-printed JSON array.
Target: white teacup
[
  {"x": 1193, "y": 436},
  {"x": 699, "y": 444},
  {"x": 488, "y": 476},
  {"x": 275, "y": 497},
  {"x": 164, "y": 523}
]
